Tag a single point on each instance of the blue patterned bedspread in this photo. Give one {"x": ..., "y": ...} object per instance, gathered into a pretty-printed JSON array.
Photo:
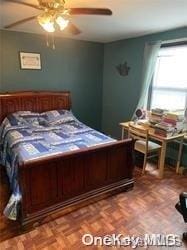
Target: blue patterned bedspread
[{"x": 25, "y": 136}]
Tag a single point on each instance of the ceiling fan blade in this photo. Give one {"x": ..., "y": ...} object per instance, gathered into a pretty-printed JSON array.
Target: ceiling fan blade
[
  {"x": 90, "y": 11},
  {"x": 26, "y": 4},
  {"x": 19, "y": 22},
  {"x": 72, "y": 28}
]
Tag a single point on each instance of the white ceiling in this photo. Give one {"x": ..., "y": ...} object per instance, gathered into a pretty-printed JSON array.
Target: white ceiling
[{"x": 130, "y": 18}]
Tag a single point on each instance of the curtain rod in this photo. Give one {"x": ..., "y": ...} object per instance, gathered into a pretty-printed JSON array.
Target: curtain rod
[{"x": 184, "y": 39}]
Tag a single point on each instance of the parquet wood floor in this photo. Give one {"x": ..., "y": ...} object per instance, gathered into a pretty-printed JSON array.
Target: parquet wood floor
[{"x": 148, "y": 208}]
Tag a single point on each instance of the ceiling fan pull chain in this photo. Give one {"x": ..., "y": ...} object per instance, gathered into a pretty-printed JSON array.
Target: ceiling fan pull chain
[
  {"x": 53, "y": 42},
  {"x": 47, "y": 39},
  {"x": 52, "y": 38}
]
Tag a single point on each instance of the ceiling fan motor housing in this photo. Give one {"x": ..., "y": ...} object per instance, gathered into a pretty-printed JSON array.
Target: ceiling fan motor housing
[{"x": 51, "y": 4}]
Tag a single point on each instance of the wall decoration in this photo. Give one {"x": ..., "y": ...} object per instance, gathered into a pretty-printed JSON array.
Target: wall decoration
[
  {"x": 123, "y": 69},
  {"x": 30, "y": 60}
]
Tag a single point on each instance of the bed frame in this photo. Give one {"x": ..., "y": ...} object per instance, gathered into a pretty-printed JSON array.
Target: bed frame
[{"x": 61, "y": 182}]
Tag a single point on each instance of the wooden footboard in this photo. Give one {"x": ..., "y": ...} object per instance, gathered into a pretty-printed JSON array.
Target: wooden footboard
[{"x": 62, "y": 181}]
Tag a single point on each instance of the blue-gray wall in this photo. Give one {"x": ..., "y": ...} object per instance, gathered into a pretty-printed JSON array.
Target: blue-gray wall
[
  {"x": 120, "y": 94},
  {"x": 74, "y": 65}
]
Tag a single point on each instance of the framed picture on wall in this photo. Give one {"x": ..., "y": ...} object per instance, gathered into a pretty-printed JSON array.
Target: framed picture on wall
[{"x": 30, "y": 60}]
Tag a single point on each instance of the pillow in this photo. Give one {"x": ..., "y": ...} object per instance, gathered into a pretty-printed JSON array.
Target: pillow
[
  {"x": 50, "y": 115},
  {"x": 61, "y": 119},
  {"x": 25, "y": 118},
  {"x": 57, "y": 117}
]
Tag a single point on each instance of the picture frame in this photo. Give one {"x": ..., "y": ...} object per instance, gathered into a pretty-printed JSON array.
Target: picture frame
[{"x": 30, "y": 61}]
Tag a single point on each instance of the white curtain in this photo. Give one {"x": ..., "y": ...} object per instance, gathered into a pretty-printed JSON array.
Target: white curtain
[{"x": 149, "y": 61}]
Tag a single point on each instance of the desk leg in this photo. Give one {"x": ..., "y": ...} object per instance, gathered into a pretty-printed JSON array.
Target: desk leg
[
  {"x": 162, "y": 159},
  {"x": 179, "y": 155},
  {"x": 122, "y": 133}
]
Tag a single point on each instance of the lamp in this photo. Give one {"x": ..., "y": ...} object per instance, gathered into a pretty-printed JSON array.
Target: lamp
[
  {"x": 63, "y": 23},
  {"x": 46, "y": 20}
]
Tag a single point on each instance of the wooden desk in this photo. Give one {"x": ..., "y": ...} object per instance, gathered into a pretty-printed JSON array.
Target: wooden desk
[{"x": 163, "y": 141}]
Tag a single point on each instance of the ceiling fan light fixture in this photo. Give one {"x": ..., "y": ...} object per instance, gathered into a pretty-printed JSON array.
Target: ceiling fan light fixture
[
  {"x": 49, "y": 27},
  {"x": 47, "y": 22},
  {"x": 63, "y": 23}
]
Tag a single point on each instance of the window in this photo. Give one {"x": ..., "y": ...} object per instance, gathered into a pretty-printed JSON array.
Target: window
[{"x": 169, "y": 88}]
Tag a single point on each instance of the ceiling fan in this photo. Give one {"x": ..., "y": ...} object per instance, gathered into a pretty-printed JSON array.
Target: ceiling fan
[{"x": 55, "y": 15}]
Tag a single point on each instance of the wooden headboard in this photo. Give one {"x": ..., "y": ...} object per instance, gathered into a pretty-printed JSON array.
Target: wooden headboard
[{"x": 33, "y": 101}]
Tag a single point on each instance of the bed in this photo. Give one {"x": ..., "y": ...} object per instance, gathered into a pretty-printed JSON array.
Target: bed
[{"x": 63, "y": 180}]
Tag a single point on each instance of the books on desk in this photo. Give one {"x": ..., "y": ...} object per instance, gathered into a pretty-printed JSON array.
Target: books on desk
[
  {"x": 167, "y": 123},
  {"x": 164, "y": 129},
  {"x": 164, "y": 123},
  {"x": 156, "y": 115},
  {"x": 175, "y": 119},
  {"x": 174, "y": 116},
  {"x": 158, "y": 111},
  {"x": 171, "y": 123}
]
